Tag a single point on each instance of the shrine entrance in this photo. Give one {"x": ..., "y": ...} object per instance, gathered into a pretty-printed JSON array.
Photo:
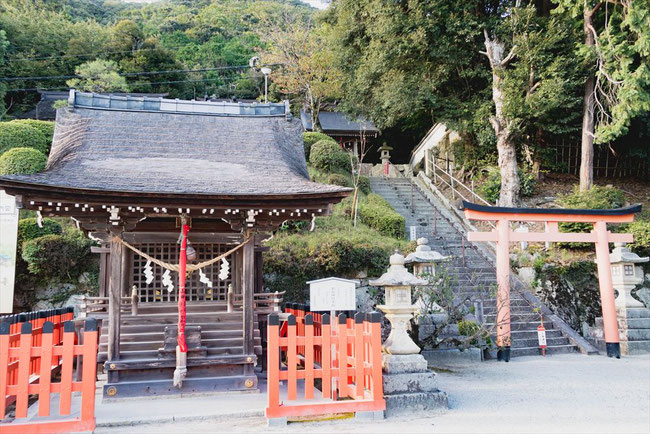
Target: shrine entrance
[{"x": 600, "y": 236}]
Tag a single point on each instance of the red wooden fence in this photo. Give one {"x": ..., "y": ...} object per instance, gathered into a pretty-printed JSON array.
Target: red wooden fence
[
  {"x": 346, "y": 357},
  {"x": 42, "y": 350}
]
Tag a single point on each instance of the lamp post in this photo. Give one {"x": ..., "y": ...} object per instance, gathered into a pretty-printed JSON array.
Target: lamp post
[
  {"x": 424, "y": 260},
  {"x": 625, "y": 276}
]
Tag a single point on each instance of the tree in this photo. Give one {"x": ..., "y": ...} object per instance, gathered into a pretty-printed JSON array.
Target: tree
[
  {"x": 3, "y": 88},
  {"x": 307, "y": 61},
  {"x": 617, "y": 89},
  {"x": 99, "y": 76}
]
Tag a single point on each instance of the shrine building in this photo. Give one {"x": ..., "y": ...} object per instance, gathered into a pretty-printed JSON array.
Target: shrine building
[{"x": 136, "y": 173}]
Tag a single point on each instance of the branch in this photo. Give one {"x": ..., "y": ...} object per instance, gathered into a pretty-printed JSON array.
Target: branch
[{"x": 511, "y": 55}]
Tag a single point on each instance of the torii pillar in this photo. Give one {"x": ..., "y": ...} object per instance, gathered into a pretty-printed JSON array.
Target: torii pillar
[{"x": 600, "y": 236}]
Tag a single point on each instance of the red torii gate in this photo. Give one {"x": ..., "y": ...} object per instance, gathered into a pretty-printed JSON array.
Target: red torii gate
[{"x": 503, "y": 236}]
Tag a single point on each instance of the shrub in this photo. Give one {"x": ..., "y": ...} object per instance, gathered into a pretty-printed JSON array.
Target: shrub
[
  {"x": 379, "y": 215},
  {"x": 28, "y": 229},
  {"x": 596, "y": 198},
  {"x": 45, "y": 127},
  {"x": 491, "y": 188},
  {"x": 364, "y": 184},
  {"x": 22, "y": 161},
  {"x": 309, "y": 138},
  {"x": 640, "y": 229},
  {"x": 58, "y": 257},
  {"x": 327, "y": 155},
  {"x": 15, "y": 135},
  {"x": 334, "y": 248},
  {"x": 338, "y": 179}
]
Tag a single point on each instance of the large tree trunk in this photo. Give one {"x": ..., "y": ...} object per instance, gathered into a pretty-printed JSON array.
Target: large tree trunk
[
  {"x": 587, "y": 140},
  {"x": 509, "y": 195}
]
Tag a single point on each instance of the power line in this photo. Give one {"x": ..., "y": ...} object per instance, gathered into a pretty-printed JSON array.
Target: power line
[
  {"x": 96, "y": 53},
  {"x": 133, "y": 74}
]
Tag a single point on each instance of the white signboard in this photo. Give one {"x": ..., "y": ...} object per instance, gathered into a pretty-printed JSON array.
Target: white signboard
[
  {"x": 332, "y": 294},
  {"x": 8, "y": 240},
  {"x": 413, "y": 233}
]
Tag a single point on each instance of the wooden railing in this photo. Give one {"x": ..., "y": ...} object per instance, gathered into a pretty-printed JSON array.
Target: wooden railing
[
  {"x": 39, "y": 351},
  {"x": 344, "y": 356},
  {"x": 263, "y": 302}
]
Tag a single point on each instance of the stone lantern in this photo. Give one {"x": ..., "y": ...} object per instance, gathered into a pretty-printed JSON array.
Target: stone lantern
[
  {"x": 384, "y": 155},
  {"x": 626, "y": 275},
  {"x": 408, "y": 384},
  {"x": 424, "y": 259},
  {"x": 397, "y": 282}
]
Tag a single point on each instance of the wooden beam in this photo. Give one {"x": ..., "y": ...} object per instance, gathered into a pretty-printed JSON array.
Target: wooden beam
[
  {"x": 114, "y": 302},
  {"x": 560, "y": 237},
  {"x": 544, "y": 217},
  {"x": 248, "y": 287}
]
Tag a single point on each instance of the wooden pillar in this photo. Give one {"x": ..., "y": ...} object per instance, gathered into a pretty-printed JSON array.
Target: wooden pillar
[
  {"x": 503, "y": 286},
  {"x": 114, "y": 300},
  {"x": 248, "y": 286},
  {"x": 259, "y": 272},
  {"x": 607, "y": 299}
]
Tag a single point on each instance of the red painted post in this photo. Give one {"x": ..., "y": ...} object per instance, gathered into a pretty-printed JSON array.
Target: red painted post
[
  {"x": 89, "y": 371},
  {"x": 326, "y": 355},
  {"x": 607, "y": 299},
  {"x": 24, "y": 365},
  {"x": 45, "y": 377},
  {"x": 341, "y": 356},
  {"x": 503, "y": 290},
  {"x": 358, "y": 356},
  {"x": 292, "y": 359},
  {"x": 66, "y": 368},
  {"x": 182, "y": 310},
  {"x": 5, "y": 330},
  {"x": 375, "y": 356},
  {"x": 273, "y": 365},
  {"x": 309, "y": 357}
]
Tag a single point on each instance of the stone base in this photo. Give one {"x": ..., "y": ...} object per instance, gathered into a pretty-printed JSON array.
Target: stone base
[
  {"x": 409, "y": 387},
  {"x": 452, "y": 356}
]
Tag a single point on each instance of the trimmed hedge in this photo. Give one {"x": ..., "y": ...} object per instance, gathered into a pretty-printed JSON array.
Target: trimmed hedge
[
  {"x": 16, "y": 135},
  {"x": 28, "y": 229},
  {"x": 58, "y": 257},
  {"x": 327, "y": 155},
  {"x": 45, "y": 127},
  {"x": 338, "y": 179},
  {"x": 309, "y": 138},
  {"x": 379, "y": 215},
  {"x": 22, "y": 161}
]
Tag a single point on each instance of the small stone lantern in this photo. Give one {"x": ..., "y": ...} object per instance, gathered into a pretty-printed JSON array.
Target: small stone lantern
[
  {"x": 424, "y": 259},
  {"x": 384, "y": 155},
  {"x": 397, "y": 282},
  {"x": 626, "y": 275}
]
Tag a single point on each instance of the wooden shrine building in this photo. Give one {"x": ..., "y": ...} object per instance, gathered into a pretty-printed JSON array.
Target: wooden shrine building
[{"x": 131, "y": 171}]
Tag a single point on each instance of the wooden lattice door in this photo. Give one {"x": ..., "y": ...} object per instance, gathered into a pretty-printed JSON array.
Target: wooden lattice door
[{"x": 195, "y": 290}]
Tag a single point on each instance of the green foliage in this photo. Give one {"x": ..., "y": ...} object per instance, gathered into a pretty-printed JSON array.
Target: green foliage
[
  {"x": 491, "y": 188},
  {"x": 364, "y": 184},
  {"x": 571, "y": 291},
  {"x": 99, "y": 76},
  {"x": 22, "y": 161},
  {"x": 16, "y": 135},
  {"x": 379, "y": 215},
  {"x": 58, "y": 257},
  {"x": 339, "y": 179},
  {"x": 640, "y": 230},
  {"x": 334, "y": 248},
  {"x": 309, "y": 138},
  {"x": 28, "y": 229},
  {"x": 327, "y": 155},
  {"x": 45, "y": 127},
  {"x": 597, "y": 197}
]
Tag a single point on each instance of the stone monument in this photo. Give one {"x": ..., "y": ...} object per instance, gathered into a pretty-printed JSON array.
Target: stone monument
[{"x": 408, "y": 385}]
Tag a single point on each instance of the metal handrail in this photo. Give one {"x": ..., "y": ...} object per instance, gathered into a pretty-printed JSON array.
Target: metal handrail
[{"x": 456, "y": 181}]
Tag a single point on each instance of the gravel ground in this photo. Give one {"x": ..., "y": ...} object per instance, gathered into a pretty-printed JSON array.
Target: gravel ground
[{"x": 568, "y": 393}]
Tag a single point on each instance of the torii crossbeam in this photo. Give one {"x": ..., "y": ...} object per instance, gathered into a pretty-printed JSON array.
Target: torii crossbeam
[{"x": 600, "y": 236}]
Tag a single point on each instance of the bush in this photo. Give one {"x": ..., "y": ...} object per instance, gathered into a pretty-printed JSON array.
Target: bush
[
  {"x": 338, "y": 179},
  {"x": 334, "y": 248},
  {"x": 596, "y": 198},
  {"x": 28, "y": 229},
  {"x": 379, "y": 215},
  {"x": 15, "y": 135},
  {"x": 58, "y": 257},
  {"x": 364, "y": 184},
  {"x": 640, "y": 229},
  {"x": 308, "y": 140},
  {"x": 327, "y": 155},
  {"x": 491, "y": 188},
  {"x": 46, "y": 128},
  {"x": 22, "y": 161}
]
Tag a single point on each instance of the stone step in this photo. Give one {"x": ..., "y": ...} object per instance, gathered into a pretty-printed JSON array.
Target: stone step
[
  {"x": 638, "y": 334},
  {"x": 638, "y": 347},
  {"x": 638, "y": 313},
  {"x": 525, "y": 325},
  {"x": 519, "y": 317},
  {"x": 532, "y": 334}
]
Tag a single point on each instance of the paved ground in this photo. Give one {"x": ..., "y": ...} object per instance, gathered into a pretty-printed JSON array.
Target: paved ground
[{"x": 568, "y": 393}]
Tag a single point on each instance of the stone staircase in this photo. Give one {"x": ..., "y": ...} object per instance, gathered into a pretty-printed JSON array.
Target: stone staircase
[{"x": 472, "y": 271}]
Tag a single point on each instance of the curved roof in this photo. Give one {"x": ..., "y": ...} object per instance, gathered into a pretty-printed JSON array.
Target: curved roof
[{"x": 176, "y": 153}]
